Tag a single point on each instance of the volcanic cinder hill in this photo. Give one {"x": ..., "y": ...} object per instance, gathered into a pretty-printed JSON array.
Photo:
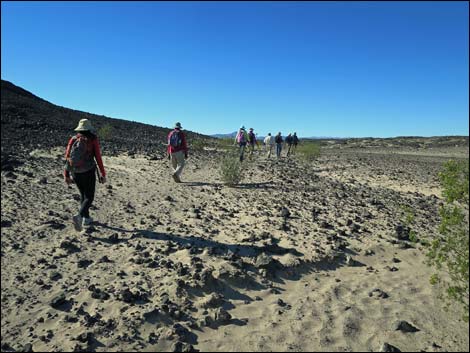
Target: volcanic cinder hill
[
  {"x": 31, "y": 122},
  {"x": 301, "y": 256}
]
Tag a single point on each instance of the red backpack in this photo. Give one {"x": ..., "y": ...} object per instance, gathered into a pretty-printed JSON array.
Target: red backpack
[
  {"x": 81, "y": 157},
  {"x": 175, "y": 139}
]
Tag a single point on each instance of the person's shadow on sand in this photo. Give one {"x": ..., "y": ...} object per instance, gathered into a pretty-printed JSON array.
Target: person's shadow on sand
[
  {"x": 193, "y": 241},
  {"x": 263, "y": 185}
]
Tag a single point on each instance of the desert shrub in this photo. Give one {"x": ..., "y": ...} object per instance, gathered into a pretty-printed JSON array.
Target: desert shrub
[
  {"x": 197, "y": 145},
  {"x": 231, "y": 169},
  {"x": 106, "y": 131},
  {"x": 308, "y": 150},
  {"x": 449, "y": 251},
  {"x": 408, "y": 220},
  {"x": 224, "y": 143}
]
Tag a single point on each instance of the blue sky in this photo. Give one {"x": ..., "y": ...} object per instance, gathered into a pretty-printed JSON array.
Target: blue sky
[{"x": 347, "y": 69}]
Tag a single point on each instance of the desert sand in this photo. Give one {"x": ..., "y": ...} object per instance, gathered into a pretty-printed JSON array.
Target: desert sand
[{"x": 299, "y": 257}]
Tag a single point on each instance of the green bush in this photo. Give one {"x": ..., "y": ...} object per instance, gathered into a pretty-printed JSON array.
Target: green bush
[
  {"x": 408, "y": 220},
  {"x": 308, "y": 150},
  {"x": 198, "y": 145},
  {"x": 454, "y": 180},
  {"x": 225, "y": 143},
  {"x": 450, "y": 250},
  {"x": 106, "y": 131},
  {"x": 231, "y": 169}
]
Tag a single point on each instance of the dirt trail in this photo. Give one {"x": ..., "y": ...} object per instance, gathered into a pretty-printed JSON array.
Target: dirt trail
[{"x": 201, "y": 266}]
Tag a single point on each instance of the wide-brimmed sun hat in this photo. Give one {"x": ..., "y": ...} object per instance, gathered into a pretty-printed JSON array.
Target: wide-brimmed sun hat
[
  {"x": 178, "y": 125},
  {"x": 85, "y": 125},
  {"x": 242, "y": 127}
]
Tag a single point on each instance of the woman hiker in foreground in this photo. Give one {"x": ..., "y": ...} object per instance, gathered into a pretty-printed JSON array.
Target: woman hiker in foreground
[{"x": 80, "y": 167}]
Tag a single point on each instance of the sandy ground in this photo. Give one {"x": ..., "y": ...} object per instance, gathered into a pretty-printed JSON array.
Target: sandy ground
[{"x": 201, "y": 266}]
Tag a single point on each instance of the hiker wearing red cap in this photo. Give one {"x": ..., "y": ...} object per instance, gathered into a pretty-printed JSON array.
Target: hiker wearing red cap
[{"x": 177, "y": 151}]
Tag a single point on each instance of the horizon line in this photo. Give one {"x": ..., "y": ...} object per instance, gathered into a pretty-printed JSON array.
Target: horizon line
[{"x": 226, "y": 134}]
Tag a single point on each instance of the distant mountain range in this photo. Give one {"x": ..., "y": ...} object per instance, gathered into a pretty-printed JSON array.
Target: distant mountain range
[
  {"x": 325, "y": 138},
  {"x": 260, "y": 138},
  {"x": 224, "y": 136}
]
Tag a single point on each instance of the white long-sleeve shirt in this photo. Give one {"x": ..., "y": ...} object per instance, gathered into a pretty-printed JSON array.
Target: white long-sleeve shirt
[{"x": 269, "y": 140}]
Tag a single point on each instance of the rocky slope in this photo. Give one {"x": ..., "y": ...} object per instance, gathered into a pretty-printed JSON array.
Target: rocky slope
[{"x": 28, "y": 122}]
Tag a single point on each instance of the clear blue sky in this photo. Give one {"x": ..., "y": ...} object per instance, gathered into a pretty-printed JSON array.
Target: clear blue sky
[{"x": 319, "y": 68}]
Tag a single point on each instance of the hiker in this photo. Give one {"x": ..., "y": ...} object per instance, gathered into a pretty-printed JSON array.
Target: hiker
[
  {"x": 278, "y": 140},
  {"x": 177, "y": 151},
  {"x": 80, "y": 167},
  {"x": 295, "y": 142},
  {"x": 289, "y": 141},
  {"x": 241, "y": 139},
  {"x": 269, "y": 144},
  {"x": 252, "y": 141}
]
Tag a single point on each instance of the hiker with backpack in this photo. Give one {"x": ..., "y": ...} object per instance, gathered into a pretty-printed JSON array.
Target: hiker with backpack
[
  {"x": 177, "y": 151},
  {"x": 269, "y": 144},
  {"x": 289, "y": 141},
  {"x": 252, "y": 141},
  {"x": 295, "y": 142},
  {"x": 278, "y": 140},
  {"x": 241, "y": 139},
  {"x": 80, "y": 168}
]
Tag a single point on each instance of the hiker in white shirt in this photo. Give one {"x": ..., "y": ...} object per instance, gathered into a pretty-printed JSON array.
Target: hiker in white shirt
[{"x": 269, "y": 144}]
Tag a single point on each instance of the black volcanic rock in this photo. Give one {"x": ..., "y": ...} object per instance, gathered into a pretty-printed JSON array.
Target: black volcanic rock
[
  {"x": 69, "y": 246},
  {"x": 404, "y": 326},
  {"x": 402, "y": 232},
  {"x": 58, "y": 301},
  {"x": 6, "y": 223},
  {"x": 388, "y": 348},
  {"x": 29, "y": 122}
]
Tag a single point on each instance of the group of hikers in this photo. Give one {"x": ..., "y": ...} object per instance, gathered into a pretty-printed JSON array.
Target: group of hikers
[
  {"x": 84, "y": 148},
  {"x": 244, "y": 139}
]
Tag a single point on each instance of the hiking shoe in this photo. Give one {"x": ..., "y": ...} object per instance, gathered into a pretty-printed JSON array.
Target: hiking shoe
[
  {"x": 77, "y": 222},
  {"x": 176, "y": 178},
  {"x": 87, "y": 221}
]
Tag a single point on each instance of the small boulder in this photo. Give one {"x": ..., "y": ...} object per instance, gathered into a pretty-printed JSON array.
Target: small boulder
[
  {"x": 378, "y": 294},
  {"x": 69, "y": 246},
  {"x": 402, "y": 232},
  {"x": 84, "y": 263},
  {"x": 28, "y": 347},
  {"x": 285, "y": 213},
  {"x": 55, "y": 276},
  {"x": 183, "y": 347},
  {"x": 114, "y": 238},
  {"x": 58, "y": 301},
  {"x": 404, "y": 326},
  {"x": 213, "y": 301},
  {"x": 388, "y": 348},
  {"x": 222, "y": 317}
]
